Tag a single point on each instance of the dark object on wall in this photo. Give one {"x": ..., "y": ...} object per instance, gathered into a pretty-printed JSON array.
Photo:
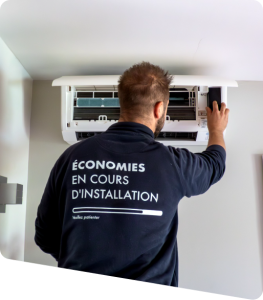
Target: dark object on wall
[
  {"x": 2, "y": 208},
  {"x": 214, "y": 94},
  {"x": 10, "y": 193}
]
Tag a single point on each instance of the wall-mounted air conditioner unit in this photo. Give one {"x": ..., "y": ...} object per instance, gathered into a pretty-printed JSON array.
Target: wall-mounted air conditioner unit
[{"x": 90, "y": 104}]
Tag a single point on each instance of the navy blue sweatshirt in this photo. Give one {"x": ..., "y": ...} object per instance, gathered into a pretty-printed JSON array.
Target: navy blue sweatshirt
[{"x": 110, "y": 203}]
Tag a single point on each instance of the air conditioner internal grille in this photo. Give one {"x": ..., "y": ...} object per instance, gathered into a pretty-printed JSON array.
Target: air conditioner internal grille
[
  {"x": 93, "y": 113},
  {"x": 177, "y": 97},
  {"x": 163, "y": 135},
  {"x": 89, "y": 105},
  {"x": 113, "y": 113},
  {"x": 84, "y": 135},
  {"x": 179, "y": 136}
]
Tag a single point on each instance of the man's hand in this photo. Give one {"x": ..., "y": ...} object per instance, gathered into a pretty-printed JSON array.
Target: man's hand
[
  {"x": 216, "y": 124},
  {"x": 217, "y": 120}
]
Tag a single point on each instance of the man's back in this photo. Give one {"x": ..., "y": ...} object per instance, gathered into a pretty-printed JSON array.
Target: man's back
[{"x": 110, "y": 205}]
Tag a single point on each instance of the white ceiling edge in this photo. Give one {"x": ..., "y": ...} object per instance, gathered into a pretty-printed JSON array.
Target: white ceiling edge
[
  {"x": 2, "y": 1},
  {"x": 260, "y": 1}
]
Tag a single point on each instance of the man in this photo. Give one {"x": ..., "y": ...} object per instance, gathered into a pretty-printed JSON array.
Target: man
[{"x": 110, "y": 203}]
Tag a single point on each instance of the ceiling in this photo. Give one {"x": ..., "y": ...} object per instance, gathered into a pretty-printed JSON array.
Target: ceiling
[{"x": 54, "y": 38}]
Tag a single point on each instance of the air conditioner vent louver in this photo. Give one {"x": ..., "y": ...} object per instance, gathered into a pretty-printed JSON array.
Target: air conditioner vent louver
[
  {"x": 181, "y": 113},
  {"x": 84, "y": 135},
  {"x": 96, "y": 94},
  {"x": 84, "y": 94},
  {"x": 93, "y": 113},
  {"x": 180, "y": 136},
  {"x": 178, "y": 103},
  {"x": 178, "y": 89},
  {"x": 179, "y": 95},
  {"x": 103, "y": 95},
  {"x": 113, "y": 113}
]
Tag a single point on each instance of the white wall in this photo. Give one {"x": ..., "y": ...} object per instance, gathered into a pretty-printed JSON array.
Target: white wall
[
  {"x": 46, "y": 145},
  {"x": 15, "y": 110},
  {"x": 220, "y": 234}
]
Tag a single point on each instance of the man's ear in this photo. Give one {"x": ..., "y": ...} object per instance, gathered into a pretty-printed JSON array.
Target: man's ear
[{"x": 158, "y": 110}]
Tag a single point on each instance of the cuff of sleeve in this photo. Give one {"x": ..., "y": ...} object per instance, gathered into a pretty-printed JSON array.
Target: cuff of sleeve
[{"x": 219, "y": 149}]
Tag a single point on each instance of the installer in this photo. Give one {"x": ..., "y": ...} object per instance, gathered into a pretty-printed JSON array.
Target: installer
[{"x": 110, "y": 203}]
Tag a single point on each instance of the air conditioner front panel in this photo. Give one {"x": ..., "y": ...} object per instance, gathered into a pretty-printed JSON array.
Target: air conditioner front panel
[
  {"x": 112, "y": 80},
  {"x": 91, "y": 109}
]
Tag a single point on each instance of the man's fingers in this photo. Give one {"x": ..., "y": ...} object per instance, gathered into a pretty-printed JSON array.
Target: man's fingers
[
  {"x": 208, "y": 111},
  {"x": 223, "y": 108},
  {"x": 215, "y": 106}
]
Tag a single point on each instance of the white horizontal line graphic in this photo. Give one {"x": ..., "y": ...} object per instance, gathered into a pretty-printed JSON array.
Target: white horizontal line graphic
[{"x": 111, "y": 210}]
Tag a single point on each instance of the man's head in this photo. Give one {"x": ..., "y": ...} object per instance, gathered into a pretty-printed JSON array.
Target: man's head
[{"x": 143, "y": 92}]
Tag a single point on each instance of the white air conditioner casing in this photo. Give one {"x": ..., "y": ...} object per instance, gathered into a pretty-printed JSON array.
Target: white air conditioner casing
[{"x": 86, "y": 111}]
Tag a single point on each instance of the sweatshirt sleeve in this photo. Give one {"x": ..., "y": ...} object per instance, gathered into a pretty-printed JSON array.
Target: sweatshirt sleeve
[
  {"x": 47, "y": 226},
  {"x": 198, "y": 171}
]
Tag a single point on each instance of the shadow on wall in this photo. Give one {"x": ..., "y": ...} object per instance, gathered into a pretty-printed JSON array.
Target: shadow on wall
[
  {"x": 1, "y": 103},
  {"x": 18, "y": 93},
  {"x": 46, "y": 114},
  {"x": 191, "y": 70},
  {"x": 27, "y": 90},
  {"x": 258, "y": 173},
  {"x": 118, "y": 68},
  {"x": 3, "y": 248},
  {"x": 12, "y": 249},
  {"x": 13, "y": 100}
]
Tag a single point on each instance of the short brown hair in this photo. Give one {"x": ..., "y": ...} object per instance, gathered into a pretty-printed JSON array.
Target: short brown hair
[{"x": 141, "y": 87}]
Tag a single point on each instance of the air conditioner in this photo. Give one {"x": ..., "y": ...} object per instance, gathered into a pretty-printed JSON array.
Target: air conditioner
[{"x": 90, "y": 104}]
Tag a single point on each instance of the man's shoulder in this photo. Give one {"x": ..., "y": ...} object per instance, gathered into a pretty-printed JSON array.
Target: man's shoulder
[{"x": 78, "y": 147}]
